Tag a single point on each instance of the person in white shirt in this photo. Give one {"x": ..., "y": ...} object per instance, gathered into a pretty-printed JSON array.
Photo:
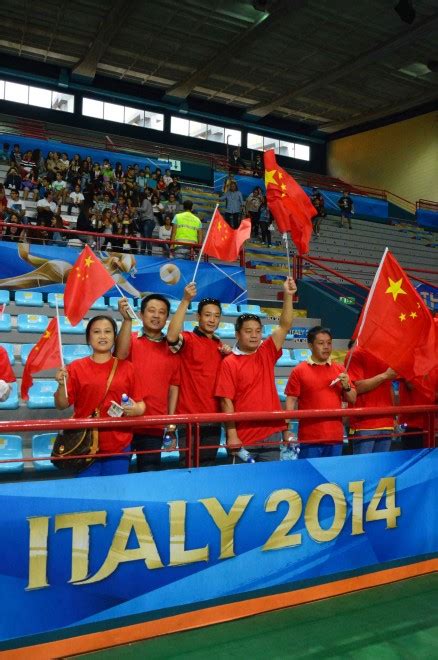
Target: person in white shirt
[
  {"x": 59, "y": 187},
  {"x": 75, "y": 200},
  {"x": 15, "y": 205}
]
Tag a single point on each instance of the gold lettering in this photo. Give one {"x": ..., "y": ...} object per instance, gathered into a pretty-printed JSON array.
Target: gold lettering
[
  {"x": 311, "y": 514},
  {"x": 226, "y": 522},
  {"x": 356, "y": 487},
  {"x": 80, "y": 543},
  {"x": 38, "y": 536},
  {"x": 385, "y": 489},
  {"x": 133, "y": 520},
  {"x": 178, "y": 553},
  {"x": 280, "y": 537}
]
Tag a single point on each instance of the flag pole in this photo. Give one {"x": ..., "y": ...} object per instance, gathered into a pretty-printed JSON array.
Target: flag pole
[
  {"x": 286, "y": 242},
  {"x": 124, "y": 296},
  {"x": 60, "y": 342},
  {"x": 203, "y": 244}
]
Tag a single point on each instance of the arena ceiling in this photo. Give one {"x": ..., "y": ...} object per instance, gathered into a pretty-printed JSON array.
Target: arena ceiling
[{"x": 329, "y": 64}]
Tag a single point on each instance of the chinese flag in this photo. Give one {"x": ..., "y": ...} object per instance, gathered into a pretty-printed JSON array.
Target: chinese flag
[
  {"x": 222, "y": 241},
  {"x": 396, "y": 325},
  {"x": 292, "y": 209},
  {"x": 88, "y": 279},
  {"x": 45, "y": 354}
]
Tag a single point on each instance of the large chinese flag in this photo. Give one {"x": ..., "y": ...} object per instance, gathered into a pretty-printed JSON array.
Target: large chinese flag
[
  {"x": 291, "y": 207},
  {"x": 45, "y": 354},
  {"x": 396, "y": 325},
  {"x": 222, "y": 241},
  {"x": 87, "y": 281}
]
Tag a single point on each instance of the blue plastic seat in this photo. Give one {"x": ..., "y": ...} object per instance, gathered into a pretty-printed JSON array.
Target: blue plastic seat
[
  {"x": 189, "y": 326},
  {"x": 75, "y": 352},
  {"x": 4, "y": 297},
  {"x": 229, "y": 309},
  {"x": 226, "y": 331},
  {"x": 280, "y": 384},
  {"x": 5, "y": 323},
  {"x": 42, "y": 445},
  {"x": 59, "y": 297},
  {"x": 137, "y": 325},
  {"x": 9, "y": 348},
  {"x": 25, "y": 349},
  {"x": 114, "y": 302},
  {"x": 285, "y": 360},
  {"x": 11, "y": 446},
  {"x": 29, "y": 298},
  {"x": 69, "y": 329},
  {"x": 174, "y": 306},
  {"x": 41, "y": 394},
  {"x": 99, "y": 304},
  {"x": 252, "y": 309},
  {"x": 12, "y": 402},
  {"x": 269, "y": 328},
  {"x": 300, "y": 355},
  {"x": 32, "y": 323}
]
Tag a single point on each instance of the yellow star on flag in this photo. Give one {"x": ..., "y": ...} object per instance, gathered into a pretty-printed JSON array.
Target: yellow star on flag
[
  {"x": 283, "y": 186},
  {"x": 269, "y": 177},
  {"x": 402, "y": 317},
  {"x": 395, "y": 288},
  {"x": 47, "y": 334},
  {"x": 413, "y": 315},
  {"x": 88, "y": 261}
]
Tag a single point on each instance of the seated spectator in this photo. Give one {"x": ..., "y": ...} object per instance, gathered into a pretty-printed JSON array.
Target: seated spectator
[
  {"x": 130, "y": 181},
  {"x": 63, "y": 165},
  {"x": 119, "y": 176},
  {"x": 30, "y": 184},
  {"x": 141, "y": 181},
  {"x": 167, "y": 177},
  {"x": 40, "y": 163},
  {"x": 57, "y": 237},
  {"x": 74, "y": 171},
  {"x": 175, "y": 189},
  {"x": 13, "y": 179},
  {"x": 43, "y": 187},
  {"x": 161, "y": 186},
  {"x": 5, "y": 153},
  {"x": 152, "y": 181},
  {"x": 165, "y": 233},
  {"x": 107, "y": 172},
  {"x": 15, "y": 156},
  {"x": 14, "y": 233},
  {"x": 172, "y": 205},
  {"x": 26, "y": 164},
  {"x": 85, "y": 175},
  {"x": 75, "y": 200},
  {"x": 59, "y": 189},
  {"x": 46, "y": 208},
  {"x": 15, "y": 205},
  {"x": 96, "y": 178},
  {"x": 52, "y": 165},
  {"x": 84, "y": 223},
  {"x": 107, "y": 228}
]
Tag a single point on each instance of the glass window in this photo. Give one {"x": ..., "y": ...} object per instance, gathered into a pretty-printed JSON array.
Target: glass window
[
  {"x": 233, "y": 137},
  {"x": 197, "y": 130},
  {"x": 63, "y": 102},
  {"x": 92, "y": 108},
  {"x": 255, "y": 141},
  {"x": 113, "y": 112},
  {"x": 134, "y": 116},
  {"x": 17, "y": 93},
  {"x": 2, "y": 89},
  {"x": 179, "y": 126},
  {"x": 154, "y": 120},
  {"x": 287, "y": 149},
  {"x": 216, "y": 133},
  {"x": 40, "y": 97},
  {"x": 302, "y": 151}
]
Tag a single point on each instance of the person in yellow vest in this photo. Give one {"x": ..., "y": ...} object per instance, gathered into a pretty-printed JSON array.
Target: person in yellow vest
[{"x": 187, "y": 227}]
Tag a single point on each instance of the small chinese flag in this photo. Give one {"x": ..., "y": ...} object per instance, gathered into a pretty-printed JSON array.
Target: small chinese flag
[
  {"x": 396, "y": 325},
  {"x": 88, "y": 279},
  {"x": 291, "y": 207},
  {"x": 46, "y": 354},
  {"x": 222, "y": 241}
]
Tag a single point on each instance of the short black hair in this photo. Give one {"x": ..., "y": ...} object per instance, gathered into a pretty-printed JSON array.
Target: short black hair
[
  {"x": 209, "y": 301},
  {"x": 318, "y": 330},
  {"x": 99, "y": 317},
  {"x": 187, "y": 204},
  {"x": 246, "y": 317},
  {"x": 155, "y": 296}
]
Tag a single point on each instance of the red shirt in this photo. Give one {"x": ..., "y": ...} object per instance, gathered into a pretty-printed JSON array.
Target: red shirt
[
  {"x": 310, "y": 383},
  {"x": 418, "y": 397},
  {"x": 6, "y": 372},
  {"x": 248, "y": 380},
  {"x": 200, "y": 362},
  {"x": 86, "y": 385},
  {"x": 156, "y": 369},
  {"x": 363, "y": 365}
]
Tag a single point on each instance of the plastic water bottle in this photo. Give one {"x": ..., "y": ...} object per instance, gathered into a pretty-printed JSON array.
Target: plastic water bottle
[
  {"x": 169, "y": 438},
  {"x": 290, "y": 450},
  {"x": 245, "y": 456},
  {"x": 125, "y": 401}
]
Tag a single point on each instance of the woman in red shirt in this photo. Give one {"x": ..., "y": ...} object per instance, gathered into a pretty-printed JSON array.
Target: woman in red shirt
[{"x": 87, "y": 380}]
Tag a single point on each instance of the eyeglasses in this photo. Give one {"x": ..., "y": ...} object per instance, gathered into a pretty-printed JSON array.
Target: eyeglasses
[{"x": 249, "y": 317}]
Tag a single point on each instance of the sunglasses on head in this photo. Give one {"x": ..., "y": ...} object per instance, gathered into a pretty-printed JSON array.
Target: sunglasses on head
[
  {"x": 210, "y": 301},
  {"x": 249, "y": 317}
]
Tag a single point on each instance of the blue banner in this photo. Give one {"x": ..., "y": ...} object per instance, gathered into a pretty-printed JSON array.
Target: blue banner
[
  {"x": 429, "y": 294},
  {"x": 46, "y": 268},
  {"x": 427, "y": 218},
  {"x": 112, "y": 550}
]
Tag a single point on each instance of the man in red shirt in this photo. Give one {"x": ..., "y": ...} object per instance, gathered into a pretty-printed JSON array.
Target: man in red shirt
[
  {"x": 372, "y": 379},
  {"x": 319, "y": 384},
  {"x": 201, "y": 355},
  {"x": 246, "y": 382},
  {"x": 157, "y": 370}
]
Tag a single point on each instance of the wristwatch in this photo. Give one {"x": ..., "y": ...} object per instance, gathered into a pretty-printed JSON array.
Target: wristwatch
[{"x": 347, "y": 389}]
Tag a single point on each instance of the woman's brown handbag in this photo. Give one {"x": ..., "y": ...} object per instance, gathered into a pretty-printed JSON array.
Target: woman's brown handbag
[{"x": 83, "y": 443}]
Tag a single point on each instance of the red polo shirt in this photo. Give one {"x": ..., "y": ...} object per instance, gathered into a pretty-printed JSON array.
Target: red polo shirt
[
  {"x": 363, "y": 365},
  {"x": 248, "y": 380},
  {"x": 418, "y": 397},
  {"x": 156, "y": 369},
  {"x": 310, "y": 383}
]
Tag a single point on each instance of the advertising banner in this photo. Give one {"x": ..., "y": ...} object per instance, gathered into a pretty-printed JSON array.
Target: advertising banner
[
  {"x": 106, "y": 551},
  {"x": 429, "y": 294},
  {"x": 45, "y": 268}
]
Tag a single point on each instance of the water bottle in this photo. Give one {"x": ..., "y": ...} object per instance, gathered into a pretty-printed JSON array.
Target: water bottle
[
  {"x": 169, "y": 438},
  {"x": 289, "y": 451},
  {"x": 245, "y": 456},
  {"x": 125, "y": 401}
]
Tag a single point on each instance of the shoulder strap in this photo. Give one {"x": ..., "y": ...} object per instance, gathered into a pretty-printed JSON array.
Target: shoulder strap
[{"x": 108, "y": 382}]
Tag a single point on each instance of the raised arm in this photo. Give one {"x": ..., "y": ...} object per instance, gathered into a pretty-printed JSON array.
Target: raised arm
[
  {"x": 176, "y": 324},
  {"x": 123, "y": 341},
  {"x": 61, "y": 400},
  {"x": 370, "y": 384},
  {"x": 286, "y": 318}
]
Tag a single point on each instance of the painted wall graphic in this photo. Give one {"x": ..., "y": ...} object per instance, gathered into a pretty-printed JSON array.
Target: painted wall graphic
[
  {"x": 45, "y": 268},
  {"x": 108, "y": 551}
]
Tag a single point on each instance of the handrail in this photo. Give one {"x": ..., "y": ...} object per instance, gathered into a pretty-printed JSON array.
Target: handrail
[
  {"x": 337, "y": 273},
  {"x": 426, "y": 204},
  {"x": 369, "y": 264}
]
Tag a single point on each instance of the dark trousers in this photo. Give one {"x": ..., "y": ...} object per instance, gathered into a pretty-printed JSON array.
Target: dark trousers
[
  {"x": 266, "y": 234},
  {"x": 413, "y": 441},
  {"x": 146, "y": 229},
  {"x": 233, "y": 219},
  {"x": 147, "y": 462},
  {"x": 210, "y": 434},
  {"x": 255, "y": 218}
]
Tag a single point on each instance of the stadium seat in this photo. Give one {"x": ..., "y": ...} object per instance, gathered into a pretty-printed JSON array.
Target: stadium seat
[
  {"x": 41, "y": 394},
  {"x": 114, "y": 302},
  {"x": 189, "y": 325},
  {"x": 99, "y": 304},
  {"x": 12, "y": 402},
  {"x": 252, "y": 309},
  {"x": 29, "y": 298},
  {"x": 69, "y": 329},
  {"x": 42, "y": 445},
  {"x": 269, "y": 328},
  {"x": 75, "y": 352},
  {"x": 174, "y": 306},
  {"x": 300, "y": 355},
  {"x": 32, "y": 323},
  {"x": 25, "y": 349},
  {"x": 51, "y": 299},
  {"x": 11, "y": 446},
  {"x": 229, "y": 309},
  {"x": 226, "y": 331},
  {"x": 285, "y": 360},
  {"x": 5, "y": 323},
  {"x": 137, "y": 325},
  {"x": 280, "y": 384},
  {"x": 9, "y": 348},
  {"x": 4, "y": 297}
]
